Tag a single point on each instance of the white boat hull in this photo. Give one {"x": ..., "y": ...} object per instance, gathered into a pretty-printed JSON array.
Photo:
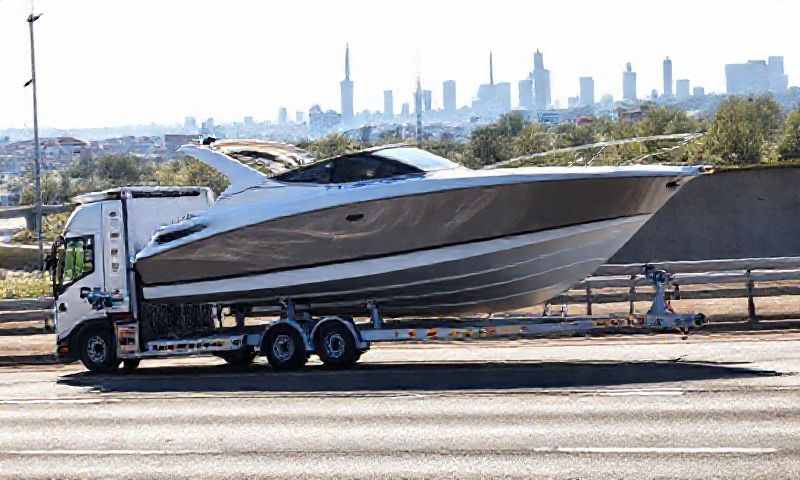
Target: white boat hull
[{"x": 488, "y": 276}]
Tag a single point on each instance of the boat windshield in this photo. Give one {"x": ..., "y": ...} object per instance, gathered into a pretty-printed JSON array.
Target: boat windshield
[{"x": 425, "y": 161}]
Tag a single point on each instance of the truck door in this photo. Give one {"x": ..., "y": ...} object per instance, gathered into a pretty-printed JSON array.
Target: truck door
[{"x": 77, "y": 267}]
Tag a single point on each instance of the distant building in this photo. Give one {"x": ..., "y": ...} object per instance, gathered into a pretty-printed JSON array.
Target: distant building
[
  {"x": 388, "y": 105},
  {"x": 747, "y": 78},
  {"x": 667, "y": 77},
  {"x": 449, "y": 96},
  {"x": 629, "y": 83},
  {"x": 427, "y": 100},
  {"x": 682, "y": 89},
  {"x": 778, "y": 81},
  {"x": 494, "y": 99},
  {"x": 525, "y": 88},
  {"x": 320, "y": 123},
  {"x": 541, "y": 82},
  {"x": 586, "y": 91},
  {"x": 698, "y": 92},
  {"x": 299, "y": 117},
  {"x": 190, "y": 124},
  {"x": 347, "y": 90},
  {"x": 208, "y": 128},
  {"x": 405, "y": 110},
  {"x": 283, "y": 116},
  {"x": 249, "y": 122},
  {"x": 573, "y": 102}
]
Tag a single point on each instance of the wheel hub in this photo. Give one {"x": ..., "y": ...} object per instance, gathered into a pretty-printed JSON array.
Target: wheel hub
[
  {"x": 283, "y": 347},
  {"x": 334, "y": 345},
  {"x": 96, "y": 349}
]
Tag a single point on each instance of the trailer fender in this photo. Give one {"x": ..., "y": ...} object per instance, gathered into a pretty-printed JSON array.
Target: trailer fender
[
  {"x": 360, "y": 343},
  {"x": 303, "y": 334}
]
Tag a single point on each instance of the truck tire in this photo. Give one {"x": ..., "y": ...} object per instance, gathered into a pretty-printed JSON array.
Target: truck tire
[
  {"x": 284, "y": 348},
  {"x": 336, "y": 346},
  {"x": 97, "y": 350},
  {"x": 239, "y": 358}
]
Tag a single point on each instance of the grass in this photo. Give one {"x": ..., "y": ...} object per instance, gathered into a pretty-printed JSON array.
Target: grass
[{"x": 14, "y": 284}]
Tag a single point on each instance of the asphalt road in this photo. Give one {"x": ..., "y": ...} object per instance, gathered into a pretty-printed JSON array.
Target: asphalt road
[{"x": 721, "y": 406}]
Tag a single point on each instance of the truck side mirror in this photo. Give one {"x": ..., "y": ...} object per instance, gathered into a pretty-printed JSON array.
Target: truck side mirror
[{"x": 85, "y": 291}]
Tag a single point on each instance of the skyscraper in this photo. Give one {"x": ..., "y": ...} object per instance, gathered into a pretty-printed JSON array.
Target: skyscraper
[
  {"x": 427, "y": 100},
  {"x": 526, "y": 94},
  {"x": 388, "y": 105},
  {"x": 347, "y": 90},
  {"x": 778, "y": 82},
  {"x": 586, "y": 91},
  {"x": 449, "y": 96},
  {"x": 541, "y": 82},
  {"x": 283, "y": 116},
  {"x": 629, "y": 83},
  {"x": 745, "y": 78},
  {"x": 667, "y": 77},
  {"x": 682, "y": 90}
]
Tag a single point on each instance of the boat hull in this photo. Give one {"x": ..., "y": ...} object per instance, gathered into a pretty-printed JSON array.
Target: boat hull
[
  {"x": 405, "y": 224},
  {"x": 485, "y": 276}
]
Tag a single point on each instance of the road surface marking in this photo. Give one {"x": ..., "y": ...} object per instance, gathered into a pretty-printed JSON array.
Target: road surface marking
[{"x": 577, "y": 450}]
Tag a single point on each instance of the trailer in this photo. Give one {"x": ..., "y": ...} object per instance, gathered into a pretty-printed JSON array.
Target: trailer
[{"x": 102, "y": 318}]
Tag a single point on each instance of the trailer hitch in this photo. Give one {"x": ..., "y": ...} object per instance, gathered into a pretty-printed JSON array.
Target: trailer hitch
[{"x": 661, "y": 314}]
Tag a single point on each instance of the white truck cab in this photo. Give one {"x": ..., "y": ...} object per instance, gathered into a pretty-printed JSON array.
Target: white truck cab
[{"x": 95, "y": 254}]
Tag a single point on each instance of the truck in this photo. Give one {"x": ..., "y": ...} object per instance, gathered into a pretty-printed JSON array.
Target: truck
[{"x": 102, "y": 318}]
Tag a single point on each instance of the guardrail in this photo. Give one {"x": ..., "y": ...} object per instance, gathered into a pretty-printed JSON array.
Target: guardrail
[
  {"x": 610, "y": 284},
  {"x": 620, "y": 282}
]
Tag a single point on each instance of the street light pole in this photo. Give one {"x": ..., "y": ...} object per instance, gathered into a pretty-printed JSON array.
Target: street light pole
[{"x": 37, "y": 154}]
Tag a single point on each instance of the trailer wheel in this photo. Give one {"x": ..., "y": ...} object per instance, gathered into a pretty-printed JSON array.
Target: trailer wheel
[
  {"x": 97, "y": 351},
  {"x": 239, "y": 358},
  {"x": 284, "y": 348},
  {"x": 336, "y": 346}
]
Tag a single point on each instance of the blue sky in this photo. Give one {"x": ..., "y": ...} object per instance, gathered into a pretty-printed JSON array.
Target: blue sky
[{"x": 118, "y": 62}]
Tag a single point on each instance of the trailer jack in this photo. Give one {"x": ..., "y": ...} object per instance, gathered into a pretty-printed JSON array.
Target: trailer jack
[{"x": 661, "y": 315}]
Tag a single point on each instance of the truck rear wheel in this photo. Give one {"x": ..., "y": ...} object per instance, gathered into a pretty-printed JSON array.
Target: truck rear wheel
[
  {"x": 284, "y": 348},
  {"x": 97, "y": 351},
  {"x": 336, "y": 346}
]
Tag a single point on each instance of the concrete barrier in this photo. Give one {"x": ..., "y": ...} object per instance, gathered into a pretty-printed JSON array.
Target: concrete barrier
[
  {"x": 730, "y": 214},
  {"x": 19, "y": 257}
]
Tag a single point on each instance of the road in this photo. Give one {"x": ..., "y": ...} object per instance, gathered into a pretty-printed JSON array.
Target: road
[{"x": 723, "y": 405}]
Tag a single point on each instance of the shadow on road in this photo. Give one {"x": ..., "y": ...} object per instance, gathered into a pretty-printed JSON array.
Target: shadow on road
[{"x": 402, "y": 377}]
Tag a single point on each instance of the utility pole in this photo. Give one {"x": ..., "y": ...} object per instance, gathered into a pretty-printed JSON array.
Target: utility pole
[{"x": 37, "y": 154}]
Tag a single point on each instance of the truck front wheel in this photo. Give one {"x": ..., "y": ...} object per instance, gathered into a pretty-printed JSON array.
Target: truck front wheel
[
  {"x": 284, "y": 348},
  {"x": 97, "y": 350}
]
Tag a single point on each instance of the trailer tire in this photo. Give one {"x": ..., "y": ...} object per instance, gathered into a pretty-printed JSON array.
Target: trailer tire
[
  {"x": 336, "y": 346},
  {"x": 97, "y": 350},
  {"x": 284, "y": 347}
]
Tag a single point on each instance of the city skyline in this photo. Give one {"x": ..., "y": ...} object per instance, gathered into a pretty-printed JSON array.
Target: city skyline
[{"x": 116, "y": 82}]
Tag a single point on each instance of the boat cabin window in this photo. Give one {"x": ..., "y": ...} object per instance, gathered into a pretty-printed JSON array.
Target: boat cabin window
[
  {"x": 365, "y": 167},
  {"x": 316, "y": 173},
  {"x": 355, "y": 168}
]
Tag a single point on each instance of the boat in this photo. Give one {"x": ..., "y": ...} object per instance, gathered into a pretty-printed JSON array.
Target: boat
[{"x": 403, "y": 229}]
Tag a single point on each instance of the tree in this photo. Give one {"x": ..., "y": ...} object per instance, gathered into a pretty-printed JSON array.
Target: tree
[
  {"x": 741, "y": 128},
  {"x": 532, "y": 139},
  {"x": 332, "y": 145},
  {"x": 789, "y": 146},
  {"x": 188, "y": 171}
]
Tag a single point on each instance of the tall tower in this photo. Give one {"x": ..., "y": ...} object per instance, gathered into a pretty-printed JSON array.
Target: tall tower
[
  {"x": 667, "y": 77},
  {"x": 449, "y": 96},
  {"x": 629, "y": 83},
  {"x": 541, "y": 82},
  {"x": 586, "y": 91},
  {"x": 388, "y": 105},
  {"x": 347, "y": 90},
  {"x": 491, "y": 69}
]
